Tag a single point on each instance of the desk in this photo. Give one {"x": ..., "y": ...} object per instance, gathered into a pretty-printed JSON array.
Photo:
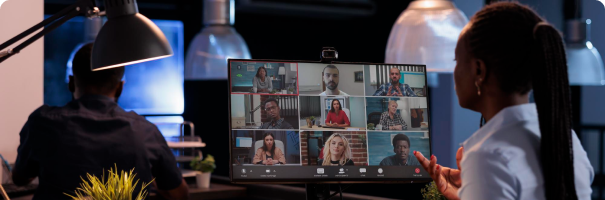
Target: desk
[
  {"x": 316, "y": 128},
  {"x": 216, "y": 191}
]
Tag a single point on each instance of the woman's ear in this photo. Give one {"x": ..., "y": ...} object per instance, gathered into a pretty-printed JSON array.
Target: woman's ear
[{"x": 479, "y": 70}]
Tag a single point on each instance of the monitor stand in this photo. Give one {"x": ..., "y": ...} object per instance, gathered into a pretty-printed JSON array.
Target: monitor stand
[
  {"x": 322, "y": 191},
  {"x": 317, "y": 191}
]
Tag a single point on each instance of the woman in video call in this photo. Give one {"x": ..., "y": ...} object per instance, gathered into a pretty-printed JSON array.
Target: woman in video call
[
  {"x": 269, "y": 154},
  {"x": 336, "y": 116},
  {"x": 261, "y": 82},
  {"x": 525, "y": 150},
  {"x": 391, "y": 120},
  {"x": 339, "y": 153}
]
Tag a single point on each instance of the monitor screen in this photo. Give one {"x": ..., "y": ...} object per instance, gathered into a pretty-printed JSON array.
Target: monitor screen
[{"x": 311, "y": 122}]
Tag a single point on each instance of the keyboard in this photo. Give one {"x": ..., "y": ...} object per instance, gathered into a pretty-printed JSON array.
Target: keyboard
[{"x": 16, "y": 191}]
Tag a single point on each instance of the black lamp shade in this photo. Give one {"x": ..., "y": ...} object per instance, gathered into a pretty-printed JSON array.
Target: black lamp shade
[{"x": 128, "y": 39}]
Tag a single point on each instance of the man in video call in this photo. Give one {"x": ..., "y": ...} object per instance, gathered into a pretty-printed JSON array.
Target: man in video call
[
  {"x": 394, "y": 88},
  {"x": 272, "y": 109},
  {"x": 402, "y": 157},
  {"x": 330, "y": 78}
]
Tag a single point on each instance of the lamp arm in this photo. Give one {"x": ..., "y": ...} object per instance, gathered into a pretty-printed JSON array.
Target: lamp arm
[{"x": 82, "y": 6}]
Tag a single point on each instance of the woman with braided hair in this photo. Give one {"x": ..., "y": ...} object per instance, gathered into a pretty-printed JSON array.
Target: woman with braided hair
[{"x": 524, "y": 150}]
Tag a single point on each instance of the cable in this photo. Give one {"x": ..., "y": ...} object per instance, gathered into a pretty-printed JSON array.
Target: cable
[{"x": 340, "y": 189}]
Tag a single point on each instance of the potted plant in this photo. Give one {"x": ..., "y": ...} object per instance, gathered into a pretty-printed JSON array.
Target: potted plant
[
  {"x": 312, "y": 120},
  {"x": 117, "y": 186},
  {"x": 362, "y": 139},
  {"x": 291, "y": 90},
  {"x": 430, "y": 192},
  {"x": 370, "y": 126},
  {"x": 204, "y": 169}
]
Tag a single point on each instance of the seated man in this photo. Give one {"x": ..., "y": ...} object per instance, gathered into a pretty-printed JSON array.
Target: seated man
[
  {"x": 391, "y": 120},
  {"x": 272, "y": 109},
  {"x": 394, "y": 88},
  {"x": 89, "y": 135},
  {"x": 402, "y": 157}
]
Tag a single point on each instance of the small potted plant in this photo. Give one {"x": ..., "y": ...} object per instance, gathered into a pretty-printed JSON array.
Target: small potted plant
[
  {"x": 370, "y": 126},
  {"x": 117, "y": 186},
  {"x": 312, "y": 120},
  {"x": 362, "y": 139},
  {"x": 430, "y": 192},
  {"x": 291, "y": 91},
  {"x": 204, "y": 169}
]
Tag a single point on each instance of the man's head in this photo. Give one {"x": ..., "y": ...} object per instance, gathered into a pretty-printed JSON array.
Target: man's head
[
  {"x": 272, "y": 108},
  {"x": 401, "y": 146},
  {"x": 330, "y": 76},
  {"x": 85, "y": 81},
  {"x": 395, "y": 75}
]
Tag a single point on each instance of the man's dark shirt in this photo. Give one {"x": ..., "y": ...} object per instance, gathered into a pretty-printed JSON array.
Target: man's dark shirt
[
  {"x": 279, "y": 124},
  {"x": 89, "y": 135}
]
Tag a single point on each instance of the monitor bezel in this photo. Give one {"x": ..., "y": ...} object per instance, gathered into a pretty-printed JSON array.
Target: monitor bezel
[{"x": 326, "y": 180}]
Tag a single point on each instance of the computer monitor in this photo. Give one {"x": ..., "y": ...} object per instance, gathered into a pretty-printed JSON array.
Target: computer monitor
[{"x": 312, "y": 122}]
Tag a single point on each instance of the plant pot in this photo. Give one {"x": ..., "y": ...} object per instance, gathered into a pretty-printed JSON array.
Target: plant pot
[
  {"x": 309, "y": 123},
  {"x": 202, "y": 179}
]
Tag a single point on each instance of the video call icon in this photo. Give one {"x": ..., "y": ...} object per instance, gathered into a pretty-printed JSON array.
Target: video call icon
[
  {"x": 243, "y": 171},
  {"x": 362, "y": 170},
  {"x": 417, "y": 170},
  {"x": 268, "y": 171},
  {"x": 380, "y": 170},
  {"x": 342, "y": 171},
  {"x": 320, "y": 170}
]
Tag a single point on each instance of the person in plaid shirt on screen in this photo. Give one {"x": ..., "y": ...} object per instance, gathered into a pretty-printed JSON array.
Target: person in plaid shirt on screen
[
  {"x": 394, "y": 88},
  {"x": 391, "y": 120}
]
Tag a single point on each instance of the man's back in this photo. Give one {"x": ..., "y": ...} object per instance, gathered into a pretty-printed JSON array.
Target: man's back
[{"x": 91, "y": 135}]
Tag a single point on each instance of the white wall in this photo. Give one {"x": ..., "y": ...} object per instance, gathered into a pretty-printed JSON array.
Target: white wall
[
  {"x": 21, "y": 76},
  {"x": 358, "y": 112},
  {"x": 310, "y": 74}
]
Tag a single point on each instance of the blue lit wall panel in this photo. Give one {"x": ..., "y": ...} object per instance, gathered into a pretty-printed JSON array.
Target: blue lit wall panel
[{"x": 151, "y": 88}]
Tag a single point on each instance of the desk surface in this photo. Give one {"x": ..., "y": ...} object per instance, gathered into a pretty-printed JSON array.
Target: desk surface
[
  {"x": 216, "y": 191},
  {"x": 316, "y": 128}
]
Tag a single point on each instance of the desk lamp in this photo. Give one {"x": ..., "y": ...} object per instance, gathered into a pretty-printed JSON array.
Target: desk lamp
[{"x": 126, "y": 38}]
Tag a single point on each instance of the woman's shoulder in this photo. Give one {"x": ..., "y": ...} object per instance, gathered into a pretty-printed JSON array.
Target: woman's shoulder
[{"x": 259, "y": 150}]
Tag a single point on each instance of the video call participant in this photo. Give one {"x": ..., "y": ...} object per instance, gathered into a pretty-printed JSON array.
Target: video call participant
[
  {"x": 402, "y": 157},
  {"x": 91, "y": 134},
  {"x": 261, "y": 82},
  {"x": 336, "y": 116},
  {"x": 391, "y": 120},
  {"x": 330, "y": 78},
  {"x": 339, "y": 153},
  {"x": 272, "y": 109},
  {"x": 269, "y": 154},
  {"x": 394, "y": 88}
]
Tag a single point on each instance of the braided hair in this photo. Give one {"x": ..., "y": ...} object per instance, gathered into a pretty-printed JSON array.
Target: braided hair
[{"x": 511, "y": 38}]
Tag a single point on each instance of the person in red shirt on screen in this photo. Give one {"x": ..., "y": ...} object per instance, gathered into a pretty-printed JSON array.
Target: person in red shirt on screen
[{"x": 337, "y": 117}]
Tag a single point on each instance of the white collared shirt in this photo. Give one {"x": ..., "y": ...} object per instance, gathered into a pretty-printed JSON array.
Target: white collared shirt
[
  {"x": 502, "y": 159},
  {"x": 340, "y": 93}
]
